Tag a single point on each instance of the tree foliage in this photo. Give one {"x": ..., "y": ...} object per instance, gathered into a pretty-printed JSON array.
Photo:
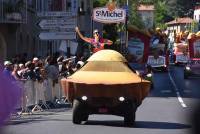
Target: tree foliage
[
  {"x": 165, "y": 10},
  {"x": 99, "y": 3},
  {"x": 134, "y": 17}
]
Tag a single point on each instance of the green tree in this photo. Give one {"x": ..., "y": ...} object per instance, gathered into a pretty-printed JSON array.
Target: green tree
[
  {"x": 194, "y": 27},
  {"x": 133, "y": 17},
  {"x": 99, "y": 3},
  {"x": 161, "y": 10},
  {"x": 184, "y": 8}
]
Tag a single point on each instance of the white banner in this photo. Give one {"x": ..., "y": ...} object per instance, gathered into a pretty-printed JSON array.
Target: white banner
[
  {"x": 104, "y": 15},
  {"x": 136, "y": 48},
  {"x": 156, "y": 62},
  {"x": 182, "y": 58}
]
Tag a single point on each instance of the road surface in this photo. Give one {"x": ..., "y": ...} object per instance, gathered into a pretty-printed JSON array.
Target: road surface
[{"x": 167, "y": 110}]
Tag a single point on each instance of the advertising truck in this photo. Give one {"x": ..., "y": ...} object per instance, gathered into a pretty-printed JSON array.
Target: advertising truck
[
  {"x": 192, "y": 68},
  {"x": 138, "y": 52},
  {"x": 158, "y": 57},
  {"x": 180, "y": 49}
]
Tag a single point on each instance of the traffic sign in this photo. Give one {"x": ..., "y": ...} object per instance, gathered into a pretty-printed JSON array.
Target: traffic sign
[
  {"x": 57, "y": 35},
  {"x": 66, "y": 23},
  {"x": 54, "y": 14}
]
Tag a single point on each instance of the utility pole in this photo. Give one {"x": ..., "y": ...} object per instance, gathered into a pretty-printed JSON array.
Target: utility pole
[
  {"x": 91, "y": 15},
  {"x": 126, "y": 27}
]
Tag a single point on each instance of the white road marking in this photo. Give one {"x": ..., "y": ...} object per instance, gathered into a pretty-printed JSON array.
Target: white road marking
[{"x": 177, "y": 91}]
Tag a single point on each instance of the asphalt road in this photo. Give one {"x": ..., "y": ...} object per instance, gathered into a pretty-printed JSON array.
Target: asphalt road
[{"x": 167, "y": 110}]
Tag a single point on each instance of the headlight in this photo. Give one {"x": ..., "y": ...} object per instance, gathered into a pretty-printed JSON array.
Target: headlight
[
  {"x": 149, "y": 75},
  {"x": 84, "y": 98},
  {"x": 187, "y": 68},
  {"x": 121, "y": 99},
  {"x": 165, "y": 65}
]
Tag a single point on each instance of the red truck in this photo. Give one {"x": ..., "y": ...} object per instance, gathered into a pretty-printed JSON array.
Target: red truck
[{"x": 192, "y": 67}]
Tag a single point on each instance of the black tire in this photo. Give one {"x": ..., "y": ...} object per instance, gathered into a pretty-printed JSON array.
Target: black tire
[
  {"x": 152, "y": 86},
  {"x": 77, "y": 116},
  {"x": 185, "y": 76},
  {"x": 85, "y": 117},
  {"x": 129, "y": 119},
  {"x": 176, "y": 64},
  {"x": 165, "y": 70}
]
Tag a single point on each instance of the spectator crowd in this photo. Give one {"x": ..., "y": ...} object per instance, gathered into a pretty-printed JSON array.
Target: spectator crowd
[{"x": 40, "y": 78}]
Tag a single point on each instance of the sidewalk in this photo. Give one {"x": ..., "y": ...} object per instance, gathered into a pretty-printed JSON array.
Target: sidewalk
[{"x": 36, "y": 116}]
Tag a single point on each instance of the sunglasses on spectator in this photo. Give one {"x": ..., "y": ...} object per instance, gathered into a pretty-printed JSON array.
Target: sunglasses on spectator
[{"x": 96, "y": 33}]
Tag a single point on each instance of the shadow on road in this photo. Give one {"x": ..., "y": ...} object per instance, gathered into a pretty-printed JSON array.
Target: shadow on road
[
  {"x": 31, "y": 121},
  {"x": 160, "y": 125},
  {"x": 141, "y": 124}
]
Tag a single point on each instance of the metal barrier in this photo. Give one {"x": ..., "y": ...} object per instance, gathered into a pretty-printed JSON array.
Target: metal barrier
[{"x": 37, "y": 94}]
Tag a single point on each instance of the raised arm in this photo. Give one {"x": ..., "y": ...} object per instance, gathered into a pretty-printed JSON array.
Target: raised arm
[
  {"x": 81, "y": 36},
  {"x": 108, "y": 42}
]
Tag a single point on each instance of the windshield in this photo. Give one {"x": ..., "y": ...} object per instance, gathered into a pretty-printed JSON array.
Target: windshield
[{"x": 106, "y": 66}]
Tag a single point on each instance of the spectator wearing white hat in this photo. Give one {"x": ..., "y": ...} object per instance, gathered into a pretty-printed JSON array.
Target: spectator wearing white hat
[
  {"x": 8, "y": 68},
  {"x": 21, "y": 69},
  {"x": 35, "y": 61},
  {"x": 81, "y": 61}
]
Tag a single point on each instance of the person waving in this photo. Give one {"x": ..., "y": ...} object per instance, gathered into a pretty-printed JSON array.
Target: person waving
[{"x": 97, "y": 41}]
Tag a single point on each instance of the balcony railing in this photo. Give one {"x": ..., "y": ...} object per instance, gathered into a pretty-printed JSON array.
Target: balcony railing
[{"x": 13, "y": 11}]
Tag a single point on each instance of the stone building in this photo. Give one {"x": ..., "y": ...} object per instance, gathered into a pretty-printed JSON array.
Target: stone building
[{"x": 20, "y": 30}]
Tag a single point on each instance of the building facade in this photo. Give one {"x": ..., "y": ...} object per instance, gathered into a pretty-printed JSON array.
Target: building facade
[
  {"x": 12, "y": 15},
  {"x": 146, "y": 13},
  {"x": 196, "y": 16},
  {"x": 180, "y": 24},
  {"x": 20, "y": 29},
  {"x": 80, "y": 10}
]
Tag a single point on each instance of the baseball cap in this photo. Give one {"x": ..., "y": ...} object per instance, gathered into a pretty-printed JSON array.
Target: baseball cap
[
  {"x": 35, "y": 59},
  {"x": 95, "y": 31},
  {"x": 20, "y": 65},
  {"x": 7, "y": 63}
]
